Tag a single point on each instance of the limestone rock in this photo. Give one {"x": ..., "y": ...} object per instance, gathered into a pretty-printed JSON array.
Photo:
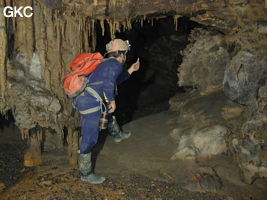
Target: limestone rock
[
  {"x": 204, "y": 180},
  {"x": 203, "y": 124},
  {"x": 197, "y": 68},
  {"x": 262, "y": 27},
  {"x": 203, "y": 143},
  {"x": 242, "y": 77},
  {"x": 2, "y": 187},
  {"x": 251, "y": 148}
]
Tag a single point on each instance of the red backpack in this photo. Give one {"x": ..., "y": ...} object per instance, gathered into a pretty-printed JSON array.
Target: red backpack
[{"x": 84, "y": 64}]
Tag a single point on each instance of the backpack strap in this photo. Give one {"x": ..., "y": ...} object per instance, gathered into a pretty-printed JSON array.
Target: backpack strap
[{"x": 98, "y": 99}]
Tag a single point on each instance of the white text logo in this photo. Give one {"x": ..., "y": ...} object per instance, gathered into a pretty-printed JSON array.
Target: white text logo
[{"x": 26, "y": 11}]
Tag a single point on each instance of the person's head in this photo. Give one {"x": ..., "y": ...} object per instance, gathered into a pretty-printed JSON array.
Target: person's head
[{"x": 118, "y": 49}]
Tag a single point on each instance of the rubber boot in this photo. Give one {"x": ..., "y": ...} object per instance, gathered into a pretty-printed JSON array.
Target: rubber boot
[
  {"x": 115, "y": 131},
  {"x": 85, "y": 167}
]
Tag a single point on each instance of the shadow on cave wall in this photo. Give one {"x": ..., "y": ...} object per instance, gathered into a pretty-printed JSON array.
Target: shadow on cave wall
[{"x": 158, "y": 45}]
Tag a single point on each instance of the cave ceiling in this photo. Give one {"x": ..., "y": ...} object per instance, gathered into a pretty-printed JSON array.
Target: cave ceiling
[{"x": 224, "y": 15}]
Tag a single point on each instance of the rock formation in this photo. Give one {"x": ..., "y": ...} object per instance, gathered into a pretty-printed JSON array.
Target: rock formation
[
  {"x": 225, "y": 58},
  {"x": 234, "y": 63}
]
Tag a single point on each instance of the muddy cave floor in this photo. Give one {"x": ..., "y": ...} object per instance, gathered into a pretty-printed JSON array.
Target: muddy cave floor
[{"x": 137, "y": 168}]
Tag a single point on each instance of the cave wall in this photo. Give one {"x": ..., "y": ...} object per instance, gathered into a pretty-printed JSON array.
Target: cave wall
[
  {"x": 231, "y": 65},
  {"x": 204, "y": 60},
  {"x": 35, "y": 53}
]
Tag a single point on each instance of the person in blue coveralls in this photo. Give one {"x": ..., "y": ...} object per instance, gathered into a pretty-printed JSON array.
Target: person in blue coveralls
[{"x": 101, "y": 89}]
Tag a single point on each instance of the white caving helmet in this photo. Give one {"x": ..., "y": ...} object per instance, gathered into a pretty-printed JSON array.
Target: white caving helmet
[{"x": 118, "y": 45}]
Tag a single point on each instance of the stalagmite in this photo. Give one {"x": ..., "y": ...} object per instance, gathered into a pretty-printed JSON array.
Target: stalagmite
[
  {"x": 73, "y": 145},
  {"x": 32, "y": 157}
]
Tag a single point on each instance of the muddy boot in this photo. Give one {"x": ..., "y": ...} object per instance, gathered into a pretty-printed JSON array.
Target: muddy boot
[
  {"x": 85, "y": 167},
  {"x": 115, "y": 131}
]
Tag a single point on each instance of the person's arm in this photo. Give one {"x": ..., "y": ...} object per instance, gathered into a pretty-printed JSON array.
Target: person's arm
[
  {"x": 126, "y": 74},
  {"x": 111, "y": 73},
  {"x": 134, "y": 67},
  {"x": 123, "y": 77}
]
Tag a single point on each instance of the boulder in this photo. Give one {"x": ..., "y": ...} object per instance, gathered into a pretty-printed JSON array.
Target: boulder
[
  {"x": 203, "y": 143},
  {"x": 203, "y": 125}
]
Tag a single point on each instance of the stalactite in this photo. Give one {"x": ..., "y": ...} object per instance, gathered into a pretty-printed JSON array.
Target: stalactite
[
  {"x": 102, "y": 23},
  {"x": 95, "y": 2},
  {"x": 151, "y": 21},
  {"x": 116, "y": 27},
  {"x": 111, "y": 29},
  {"x": 39, "y": 135},
  {"x": 175, "y": 18},
  {"x": 3, "y": 51},
  {"x": 24, "y": 33},
  {"x": 40, "y": 38},
  {"x": 50, "y": 30},
  {"x": 59, "y": 48},
  {"x": 81, "y": 30},
  {"x": 123, "y": 26},
  {"x": 112, "y": 3},
  {"x": 29, "y": 35},
  {"x": 86, "y": 35},
  {"x": 129, "y": 24},
  {"x": 24, "y": 133},
  {"x": 93, "y": 35}
]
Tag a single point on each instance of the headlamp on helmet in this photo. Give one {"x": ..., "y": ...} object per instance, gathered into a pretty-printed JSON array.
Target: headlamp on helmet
[{"x": 118, "y": 45}]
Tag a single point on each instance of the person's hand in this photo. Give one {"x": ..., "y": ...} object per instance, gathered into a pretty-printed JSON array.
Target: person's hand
[
  {"x": 112, "y": 107},
  {"x": 134, "y": 67}
]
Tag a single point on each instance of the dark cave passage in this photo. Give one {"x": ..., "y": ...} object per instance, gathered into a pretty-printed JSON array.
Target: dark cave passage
[
  {"x": 12, "y": 149},
  {"x": 158, "y": 45},
  {"x": 7, "y": 120}
]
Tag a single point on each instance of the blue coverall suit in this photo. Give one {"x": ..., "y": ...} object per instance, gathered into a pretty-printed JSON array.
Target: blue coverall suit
[{"x": 103, "y": 80}]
